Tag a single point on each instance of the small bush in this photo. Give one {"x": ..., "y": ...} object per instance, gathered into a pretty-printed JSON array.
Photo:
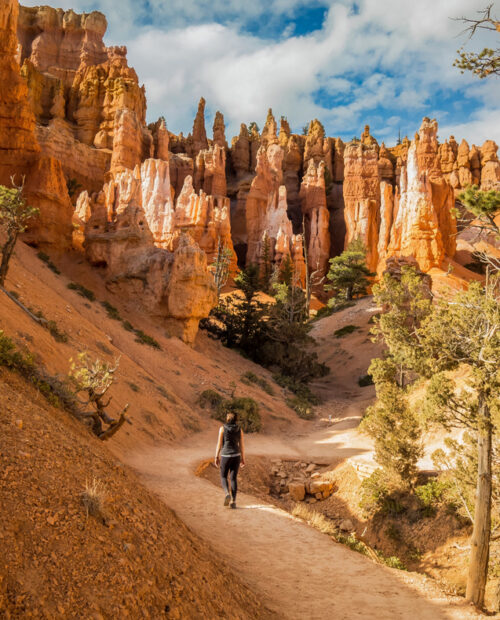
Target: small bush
[
  {"x": 81, "y": 290},
  {"x": 378, "y": 494},
  {"x": 301, "y": 406},
  {"x": 55, "y": 333},
  {"x": 111, "y": 310},
  {"x": 299, "y": 389},
  {"x": 247, "y": 411},
  {"x": 94, "y": 498},
  {"x": 373, "y": 318},
  {"x": 134, "y": 387},
  {"x": 392, "y": 561},
  {"x": 210, "y": 398},
  {"x": 143, "y": 338},
  {"x": 344, "y": 331},
  {"x": 430, "y": 495},
  {"x": 365, "y": 381},
  {"x": 250, "y": 377},
  {"x": 127, "y": 326},
  {"x": 245, "y": 408},
  {"x": 45, "y": 258}
]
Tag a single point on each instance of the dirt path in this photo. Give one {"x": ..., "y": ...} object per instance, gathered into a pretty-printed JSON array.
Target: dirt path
[{"x": 299, "y": 572}]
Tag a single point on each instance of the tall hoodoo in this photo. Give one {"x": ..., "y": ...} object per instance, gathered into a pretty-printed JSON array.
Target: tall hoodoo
[
  {"x": 199, "y": 136},
  {"x": 219, "y": 131},
  {"x": 316, "y": 217},
  {"x": 362, "y": 197},
  {"x": 425, "y": 226}
]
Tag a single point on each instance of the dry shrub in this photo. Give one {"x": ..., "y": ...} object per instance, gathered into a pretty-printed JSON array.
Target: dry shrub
[{"x": 94, "y": 499}]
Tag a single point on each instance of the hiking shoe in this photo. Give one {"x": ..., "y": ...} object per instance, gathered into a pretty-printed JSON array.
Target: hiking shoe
[
  {"x": 227, "y": 499},
  {"x": 233, "y": 505}
]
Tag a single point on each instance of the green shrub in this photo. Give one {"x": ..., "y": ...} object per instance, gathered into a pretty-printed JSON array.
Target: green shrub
[
  {"x": 210, "y": 398},
  {"x": 247, "y": 411},
  {"x": 46, "y": 259},
  {"x": 145, "y": 339},
  {"x": 250, "y": 377},
  {"x": 128, "y": 326},
  {"x": 430, "y": 495},
  {"x": 365, "y": 380},
  {"x": 111, "y": 310},
  {"x": 55, "y": 333},
  {"x": 379, "y": 494},
  {"x": 344, "y": 331},
  {"x": 81, "y": 290},
  {"x": 392, "y": 561},
  {"x": 301, "y": 406},
  {"x": 134, "y": 387},
  {"x": 245, "y": 408}
]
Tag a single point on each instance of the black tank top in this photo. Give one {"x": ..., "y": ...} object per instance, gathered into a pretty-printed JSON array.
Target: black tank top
[{"x": 231, "y": 443}]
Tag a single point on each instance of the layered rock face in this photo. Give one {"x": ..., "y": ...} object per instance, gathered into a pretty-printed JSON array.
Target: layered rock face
[
  {"x": 78, "y": 89},
  {"x": 316, "y": 217},
  {"x": 175, "y": 286},
  {"x": 425, "y": 226},
  {"x": 362, "y": 197},
  {"x": 20, "y": 154}
]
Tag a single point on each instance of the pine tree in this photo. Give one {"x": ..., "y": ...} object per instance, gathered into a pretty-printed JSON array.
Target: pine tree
[
  {"x": 220, "y": 266},
  {"x": 14, "y": 215},
  {"x": 460, "y": 332},
  {"x": 487, "y": 62},
  {"x": 349, "y": 273}
]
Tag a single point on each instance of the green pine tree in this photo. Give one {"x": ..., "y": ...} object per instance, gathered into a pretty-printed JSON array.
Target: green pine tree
[{"x": 348, "y": 273}]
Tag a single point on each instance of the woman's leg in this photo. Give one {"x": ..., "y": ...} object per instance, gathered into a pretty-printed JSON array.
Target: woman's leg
[
  {"x": 224, "y": 470},
  {"x": 233, "y": 475}
]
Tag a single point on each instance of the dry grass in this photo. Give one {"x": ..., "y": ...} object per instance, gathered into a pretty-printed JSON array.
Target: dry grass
[
  {"x": 94, "y": 499},
  {"x": 314, "y": 519}
]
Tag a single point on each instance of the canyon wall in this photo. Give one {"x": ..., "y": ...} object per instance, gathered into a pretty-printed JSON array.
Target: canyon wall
[{"x": 73, "y": 119}]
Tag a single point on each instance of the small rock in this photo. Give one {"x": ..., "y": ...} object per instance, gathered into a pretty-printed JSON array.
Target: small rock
[
  {"x": 297, "y": 491},
  {"x": 19, "y": 424},
  {"x": 346, "y": 525},
  {"x": 315, "y": 475},
  {"x": 310, "y": 468},
  {"x": 312, "y": 500}
]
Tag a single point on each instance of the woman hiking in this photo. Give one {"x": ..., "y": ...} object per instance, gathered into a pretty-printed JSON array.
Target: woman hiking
[{"x": 229, "y": 454}]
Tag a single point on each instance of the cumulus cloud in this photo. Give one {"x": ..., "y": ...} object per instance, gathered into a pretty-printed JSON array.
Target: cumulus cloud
[{"x": 370, "y": 62}]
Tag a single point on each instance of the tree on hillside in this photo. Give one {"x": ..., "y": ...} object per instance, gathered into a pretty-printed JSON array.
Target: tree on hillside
[
  {"x": 14, "y": 216},
  {"x": 393, "y": 425},
  {"x": 487, "y": 62},
  {"x": 94, "y": 378},
  {"x": 220, "y": 266},
  {"x": 460, "y": 332},
  {"x": 349, "y": 273},
  {"x": 482, "y": 212}
]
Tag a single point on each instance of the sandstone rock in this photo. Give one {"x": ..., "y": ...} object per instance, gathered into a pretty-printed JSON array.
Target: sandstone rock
[
  {"x": 490, "y": 166},
  {"x": 346, "y": 525},
  {"x": 316, "y": 216},
  {"x": 45, "y": 186},
  {"x": 266, "y": 209},
  {"x": 269, "y": 133},
  {"x": 367, "y": 139},
  {"x": 338, "y": 161},
  {"x": 199, "y": 139},
  {"x": 317, "y": 147},
  {"x": 58, "y": 42},
  {"x": 240, "y": 152},
  {"x": 362, "y": 197},
  {"x": 219, "y": 131},
  {"x": 174, "y": 286},
  {"x": 131, "y": 142},
  {"x": 181, "y": 166},
  {"x": 425, "y": 226},
  {"x": 297, "y": 491},
  {"x": 210, "y": 170}
]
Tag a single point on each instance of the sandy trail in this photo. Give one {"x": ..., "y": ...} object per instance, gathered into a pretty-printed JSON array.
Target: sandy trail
[{"x": 299, "y": 572}]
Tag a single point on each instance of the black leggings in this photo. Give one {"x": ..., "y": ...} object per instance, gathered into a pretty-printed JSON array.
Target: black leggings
[{"x": 230, "y": 465}]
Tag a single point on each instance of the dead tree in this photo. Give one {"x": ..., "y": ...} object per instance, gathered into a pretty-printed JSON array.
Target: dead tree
[{"x": 93, "y": 378}]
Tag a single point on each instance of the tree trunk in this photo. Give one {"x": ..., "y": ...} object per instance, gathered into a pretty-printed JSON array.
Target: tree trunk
[
  {"x": 7, "y": 251},
  {"x": 480, "y": 542}
]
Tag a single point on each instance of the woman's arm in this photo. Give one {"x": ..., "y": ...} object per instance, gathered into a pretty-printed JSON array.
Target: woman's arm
[
  {"x": 242, "y": 450},
  {"x": 219, "y": 446}
]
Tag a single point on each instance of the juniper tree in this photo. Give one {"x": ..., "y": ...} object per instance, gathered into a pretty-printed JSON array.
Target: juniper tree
[
  {"x": 349, "y": 273},
  {"x": 460, "y": 332},
  {"x": 485, "y": 63},
  {"x": 14, "y": 215},
  {"x": 94, "y": 378}
]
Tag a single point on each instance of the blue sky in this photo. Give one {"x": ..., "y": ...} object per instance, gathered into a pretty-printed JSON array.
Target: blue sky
[{"x": 383, "y": 63}]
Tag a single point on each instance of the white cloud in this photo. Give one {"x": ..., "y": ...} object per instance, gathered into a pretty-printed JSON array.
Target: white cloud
[{"x": 389, "y": 59}]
